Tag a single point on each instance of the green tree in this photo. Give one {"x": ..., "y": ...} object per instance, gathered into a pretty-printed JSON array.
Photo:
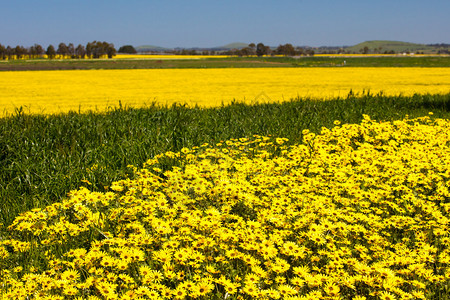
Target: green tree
[
  {"x": 110, "y": 50},
  {"x": 127, "y": 49},
  {"x": 97, "y": 49},
  {"x": 310, "y": 52},
  {"x": 36, "y": 51},
  {"x": 2, "y": 52},
  {"x": 51, "y": 52},
  {"x": 71, "y": 50},
  {"x": 9, "y": 52},
  {"x": 63, "y": 50},
  {"x": 80, "y": 51},
  {"x": 39, "y": 50},
  {"x": 364, "y": 50},
  {"x": 20, "y": 52},
  {"x": 286, "y": 49},
  {"x": 252, "y": 47},
  {"x": 89, "y": 49},
  {"x": 261, "y": 49}
]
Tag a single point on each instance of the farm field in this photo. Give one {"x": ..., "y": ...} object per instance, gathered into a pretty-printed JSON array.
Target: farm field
[
  {"x": 181, "y": 62},
  {"x": 98, "y": 90},
  {"x": 274, "y": 193}
]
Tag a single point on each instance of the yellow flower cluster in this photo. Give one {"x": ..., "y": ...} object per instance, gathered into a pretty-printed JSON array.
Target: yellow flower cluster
[
  {"x": 48, "y": 92},
  {"x": 353, "y": 212}
]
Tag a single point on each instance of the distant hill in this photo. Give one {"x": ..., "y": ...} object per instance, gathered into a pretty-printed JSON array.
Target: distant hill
[
  {"x": 388, "y": 46},
  {"x": 234, "y": 46},
  {"x": 151, "y": 48}
]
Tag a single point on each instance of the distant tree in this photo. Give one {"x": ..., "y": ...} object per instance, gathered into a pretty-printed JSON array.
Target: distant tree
[
  {"x": 110, "y": 50},
  {"x": 252, "y": 47},
  {"x": 39, "y": 50},
  {"x": 51, "y": 52},
  {"x": 233, "y": 51},
  {"x": 80, "y": 51},
  {"x": 2, "y": 52},
  {"x": 310, "y": 52},
  {"x": 9, "y": 52},
  {"x": 97, "y": 49},
  {"x": 63, "y": 50},
  {"x": 32, "y": 52},
  {"x": 245, "y": 51},
  {"x": 364, "y": 50},
  {"x": 89, "y": 49},
  {"x": 20, "y": 52},
  {"x": 36, "y": 51},
  {"x": 286, "y": 49},
  {"x": 187, "y": 52},
  {"x": 94, "y": 49},
  {"x": 71, "y": 50},
  {"x": 127, "y": 49},
  {"x": 261, "y": 49}
]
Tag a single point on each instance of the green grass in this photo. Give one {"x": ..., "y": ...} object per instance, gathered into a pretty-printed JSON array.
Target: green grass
[
  {"x": 42, "y": 158},
  {"x": 230, "y": 62}
]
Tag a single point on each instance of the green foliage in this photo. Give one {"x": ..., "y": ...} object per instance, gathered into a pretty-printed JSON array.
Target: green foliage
[{"x": 127, "y": 49}]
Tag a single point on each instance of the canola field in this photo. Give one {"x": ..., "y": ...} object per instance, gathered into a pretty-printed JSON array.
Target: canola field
[
  {"x": 46, "y": 92},
  {"x": 358, "y": 211}
]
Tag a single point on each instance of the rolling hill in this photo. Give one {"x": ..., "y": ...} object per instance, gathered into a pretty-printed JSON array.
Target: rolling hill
[{"x": 389, "y": 46}]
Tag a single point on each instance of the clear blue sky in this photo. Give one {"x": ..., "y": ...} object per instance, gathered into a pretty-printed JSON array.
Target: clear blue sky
[{"x": 198, "y": 23}]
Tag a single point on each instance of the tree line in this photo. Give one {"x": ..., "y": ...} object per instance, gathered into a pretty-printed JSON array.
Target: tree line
[
  {"x": 260, "y": 50},
  {"x": 95, "y": 49},
  {"x": 251, "y": 50}
]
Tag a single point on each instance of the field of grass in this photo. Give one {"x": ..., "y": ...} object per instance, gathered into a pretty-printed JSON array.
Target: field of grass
[{"x": 230, "y": 62}]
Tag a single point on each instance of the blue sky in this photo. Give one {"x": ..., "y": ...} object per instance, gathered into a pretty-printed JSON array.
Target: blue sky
[{"x": 198, "y": 23}]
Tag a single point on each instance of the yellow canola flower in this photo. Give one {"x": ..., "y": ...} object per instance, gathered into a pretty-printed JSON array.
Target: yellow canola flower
[{"x": 47, "y": 92}]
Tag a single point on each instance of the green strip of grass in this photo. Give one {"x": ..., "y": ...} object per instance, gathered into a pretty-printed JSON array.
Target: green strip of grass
[
  {"x": 42, "y": 158},
  {"x": 230, "y": 62}
]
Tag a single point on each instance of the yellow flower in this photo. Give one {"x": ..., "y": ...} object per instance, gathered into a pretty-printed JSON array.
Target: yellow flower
[
  {"x": 70, "y": 275},
  {"x": 179, "y": 293},
  {"x": 286, "y": 290},
  {"x": 70, "y": 291},
  {"x": 331, "y": 289},
  {"x": 201, "y": 289},
  {"x": 387, "y": 296},
  {"x": 250, "y": 290}
]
